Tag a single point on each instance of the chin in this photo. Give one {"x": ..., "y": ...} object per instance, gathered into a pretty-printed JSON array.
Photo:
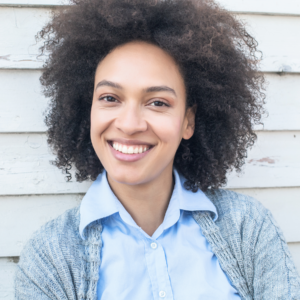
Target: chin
[{"x": 127, "y": 176}]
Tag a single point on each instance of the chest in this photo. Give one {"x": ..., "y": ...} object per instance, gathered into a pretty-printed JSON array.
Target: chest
[{"x": 178, "y": 263}]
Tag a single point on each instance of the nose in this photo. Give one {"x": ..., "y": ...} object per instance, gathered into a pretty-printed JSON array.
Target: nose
[{"x": 130, "y": 120}]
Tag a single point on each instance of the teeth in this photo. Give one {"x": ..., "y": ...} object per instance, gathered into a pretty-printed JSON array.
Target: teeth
[
  {"x": 130, "y": 149},
  {"x": 124, "y": 149}
]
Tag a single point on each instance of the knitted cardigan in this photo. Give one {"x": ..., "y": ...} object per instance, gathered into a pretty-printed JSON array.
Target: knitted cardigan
[{"x": 57, "y": 263}]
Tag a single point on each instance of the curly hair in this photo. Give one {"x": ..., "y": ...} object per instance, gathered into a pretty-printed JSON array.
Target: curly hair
[{"x": 217, "y": 59}]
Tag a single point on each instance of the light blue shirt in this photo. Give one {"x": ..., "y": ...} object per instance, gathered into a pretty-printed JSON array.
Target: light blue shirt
[{"x": 176, "y": 262}]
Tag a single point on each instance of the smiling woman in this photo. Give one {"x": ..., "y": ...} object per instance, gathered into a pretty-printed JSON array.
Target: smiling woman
[
  {"x": 156, "y": 103},
  {"x": 138, "y": 115}
]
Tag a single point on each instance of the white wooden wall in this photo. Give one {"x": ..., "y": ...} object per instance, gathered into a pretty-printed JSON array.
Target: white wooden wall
[{"x": 32, "y": 191}]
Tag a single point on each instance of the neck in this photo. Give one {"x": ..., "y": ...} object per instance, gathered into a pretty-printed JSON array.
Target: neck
[{"x": 146, "y": 203}]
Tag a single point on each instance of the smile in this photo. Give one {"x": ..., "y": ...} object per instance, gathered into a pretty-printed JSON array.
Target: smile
[{"x": 130, "y": 149}]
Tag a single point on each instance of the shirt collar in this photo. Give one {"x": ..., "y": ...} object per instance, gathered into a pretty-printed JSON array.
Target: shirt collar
[
  {"x": 100, "y": 202},
  {"x": 190, "y": 201}
]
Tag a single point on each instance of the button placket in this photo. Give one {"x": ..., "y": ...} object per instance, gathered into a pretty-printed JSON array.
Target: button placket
[{"x": 157, "y": 268}]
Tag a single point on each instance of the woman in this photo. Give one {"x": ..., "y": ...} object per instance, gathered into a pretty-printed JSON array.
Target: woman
[{"x": 155, "y": 102}]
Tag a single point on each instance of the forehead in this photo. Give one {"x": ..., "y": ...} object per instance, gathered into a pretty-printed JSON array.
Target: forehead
[{"x": 140, "y": 63}]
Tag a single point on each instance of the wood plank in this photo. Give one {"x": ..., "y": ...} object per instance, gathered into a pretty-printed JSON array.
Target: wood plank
[
  {"x": 22, "y": 104},
  {"x": 8, "y": 268},
  {"x": 246, "y": 6},
  {"x": 274, "y": 161},
  {"x": 295, "y": 251},
  {"x": 25, "y": 169},
  {"x": 282, "y": 102},
  {"x": 18, "y": 48},
  {"x": 31, "y": 212},
  {"x": 276, "y": 40},
  {"x": 34, "y": 211},
  {"x": 275, "y": 34},
  {"x": 284, "y": 204},
  {"x": 289, "y": 7},
  {"x": 32, "y": 2}
]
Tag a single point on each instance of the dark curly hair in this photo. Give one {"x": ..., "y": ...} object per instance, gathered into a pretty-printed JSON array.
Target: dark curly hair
[{"x": 215, "y": 54}]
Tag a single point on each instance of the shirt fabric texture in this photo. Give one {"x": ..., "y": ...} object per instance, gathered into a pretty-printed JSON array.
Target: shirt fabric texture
[
  {"x": 57, "y": 263},
  {"x": 137, "y": 266}
]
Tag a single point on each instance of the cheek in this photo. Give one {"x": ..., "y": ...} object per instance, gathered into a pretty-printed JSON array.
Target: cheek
[
  {"x": 100, "y": 121},
  {"x": 168, "y": 129}
]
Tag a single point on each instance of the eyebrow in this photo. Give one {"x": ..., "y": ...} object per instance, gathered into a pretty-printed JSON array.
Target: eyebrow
[
  {"x": 151, "y": 89},
  {"x": 108, "y": 83},
  {"x": 160, "y": 88}
]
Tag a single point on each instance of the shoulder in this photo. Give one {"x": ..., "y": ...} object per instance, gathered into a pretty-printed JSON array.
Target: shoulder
[
  {"x": 233, "y": 205},
  {"x": 248, "y": 227},
  {"x": 241, "y": 218},
  {"x": 51, "y": 258},
  {"x": 53, "y": 241},
  {"x": 257, "y": 244},
  {"x": 61, "y": 228}
]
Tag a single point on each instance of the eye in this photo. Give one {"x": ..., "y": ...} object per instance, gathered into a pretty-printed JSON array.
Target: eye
[
  {"x": 108, "y": 99},
  {"x": 158, "y": 103}
]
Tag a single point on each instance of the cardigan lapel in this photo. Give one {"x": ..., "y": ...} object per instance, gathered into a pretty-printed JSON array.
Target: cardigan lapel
[
  {"x": 222, "y": 250},
  {"x": 90, "y": 261}
]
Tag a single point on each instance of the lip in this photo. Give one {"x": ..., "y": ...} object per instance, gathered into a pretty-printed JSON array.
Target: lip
[{"x": 128, "y": 157}]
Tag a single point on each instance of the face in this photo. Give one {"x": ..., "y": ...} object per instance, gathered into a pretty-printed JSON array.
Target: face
[{"x": 138, "y": 115}]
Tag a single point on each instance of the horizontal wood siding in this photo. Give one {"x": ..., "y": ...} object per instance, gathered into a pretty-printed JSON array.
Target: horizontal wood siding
[
  {"x": 269, "y": 7},
  {"x": 32, "y": 191},
  {"x": 288, "y": 7},
  {"x": 19, "y": 49}
]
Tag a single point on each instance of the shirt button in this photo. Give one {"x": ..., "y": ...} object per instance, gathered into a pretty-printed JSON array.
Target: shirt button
[
  {"x": 162, "y": 294},
  {"x": 153, "y": 245}
]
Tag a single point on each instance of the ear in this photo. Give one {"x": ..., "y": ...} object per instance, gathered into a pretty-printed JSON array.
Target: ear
[{"x": 189, "y": 122}]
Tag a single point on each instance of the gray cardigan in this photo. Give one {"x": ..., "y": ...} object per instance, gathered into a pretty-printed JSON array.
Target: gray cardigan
[{"x": 57, "y": 264}]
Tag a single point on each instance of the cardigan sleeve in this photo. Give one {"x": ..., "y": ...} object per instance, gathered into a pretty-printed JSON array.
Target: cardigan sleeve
[
  {"x": 260, "y": 252},
  {"x": 275, "y": 275},
  {"x": 36, "y": 276},
  {"x": 25, "y": 288},
  {"x": 50, "y": 265}
]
